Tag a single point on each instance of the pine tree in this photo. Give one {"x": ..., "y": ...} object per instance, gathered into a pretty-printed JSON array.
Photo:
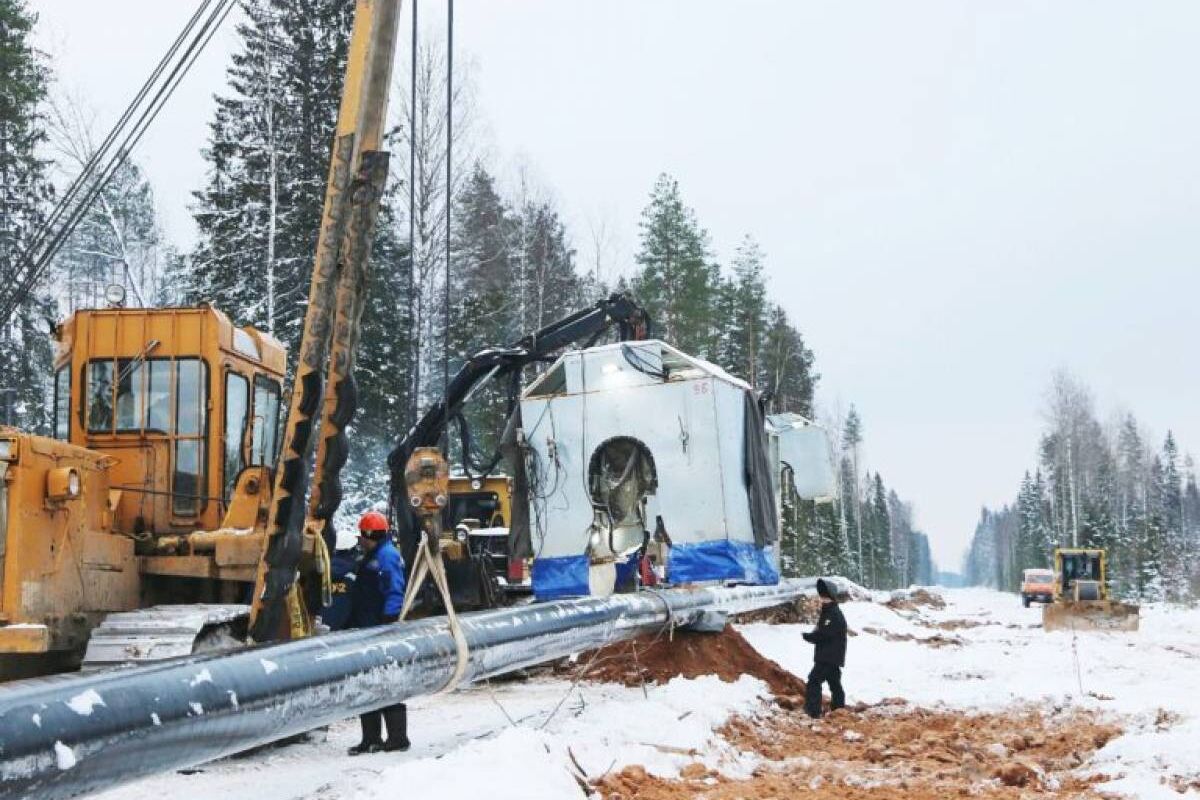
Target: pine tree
[
  {"x": 851, "y": 490},
  {"x": 678, "y": 281},
  {"x": 1174, "y": 542},
  {"x": 744, "y": 334},
  {"x": 25, "y": 345},
  {"x": 882, "y": 571},
  {"x": 787, "y": 364}
]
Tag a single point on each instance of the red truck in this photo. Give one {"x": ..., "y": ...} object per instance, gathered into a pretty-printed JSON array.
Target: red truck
[{"x": 1037, "y": 585}]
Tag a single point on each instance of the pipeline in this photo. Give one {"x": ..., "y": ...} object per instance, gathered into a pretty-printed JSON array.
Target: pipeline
[{"x": 70, "y": 735}]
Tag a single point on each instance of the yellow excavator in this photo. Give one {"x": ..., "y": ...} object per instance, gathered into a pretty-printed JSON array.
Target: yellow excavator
[
  {"x": 170, "y": 510},
  {"x": 1081, "y": 598}
]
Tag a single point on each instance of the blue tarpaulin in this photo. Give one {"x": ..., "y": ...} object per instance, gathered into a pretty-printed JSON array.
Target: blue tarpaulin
[
  {"x": 556, "y": 578},
  {"x": 720, "y": 560}
]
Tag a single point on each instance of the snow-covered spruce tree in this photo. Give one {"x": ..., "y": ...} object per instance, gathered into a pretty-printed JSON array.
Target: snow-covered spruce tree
[
  {"x": 1174, "y": 567},
  {"x": 882, "y": 571},
  {"x": 744, "y": 319},
  {"x": 1191, "y": 527},
  {"x": 25, "y": 346},
  {"x": 852, "y": 490},
  {"x": 484, "y": 300},
  {"x": 1132, "y": 497},
  {"x": 677, "y": 281},
  {"x": 259, "y": 213},
  {"x": 787, "y": 364},
  {"x": 900, "y": 516}
]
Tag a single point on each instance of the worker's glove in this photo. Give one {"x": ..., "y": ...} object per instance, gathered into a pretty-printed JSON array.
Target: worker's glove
[{"x": 388, "y": 619}]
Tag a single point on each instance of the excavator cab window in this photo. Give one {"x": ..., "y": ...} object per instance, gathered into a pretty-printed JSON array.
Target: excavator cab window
[
  {"x": 129, "y": 395},
  {"x": 264, "y": 441},
  {"x": 99, "y": 394},
  {"x": 62, "y": 403},
  {"x": 158, "y": 406},
  {"x": 191, "y": 395},
  {"x": 237, "y": 404}
]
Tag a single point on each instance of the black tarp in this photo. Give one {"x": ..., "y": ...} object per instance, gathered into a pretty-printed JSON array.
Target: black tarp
[
  {"x": 757, "y": 475},
  {"x": 520, "y": 539}
]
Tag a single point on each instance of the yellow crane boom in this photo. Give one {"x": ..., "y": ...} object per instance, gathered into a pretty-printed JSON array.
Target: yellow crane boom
[{"x": 323, "y": 395}]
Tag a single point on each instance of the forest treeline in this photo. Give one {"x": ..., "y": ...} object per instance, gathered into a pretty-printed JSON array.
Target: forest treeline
[
  {"x": 514, "y": 265},
  {"x": 1108, "y": 485}
]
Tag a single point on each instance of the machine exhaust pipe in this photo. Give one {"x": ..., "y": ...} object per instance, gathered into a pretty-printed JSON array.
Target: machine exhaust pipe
[{"x": 70, "y": 735}]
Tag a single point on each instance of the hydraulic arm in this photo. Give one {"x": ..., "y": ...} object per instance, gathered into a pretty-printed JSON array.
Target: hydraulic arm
[{"x": 587, "y": 325}]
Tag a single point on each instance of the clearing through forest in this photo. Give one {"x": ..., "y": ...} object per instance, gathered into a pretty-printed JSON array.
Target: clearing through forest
[{"x": 969, "y": 697}]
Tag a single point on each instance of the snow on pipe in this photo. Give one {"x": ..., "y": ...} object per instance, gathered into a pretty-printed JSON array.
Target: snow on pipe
[{"x": 70, "y": 735}]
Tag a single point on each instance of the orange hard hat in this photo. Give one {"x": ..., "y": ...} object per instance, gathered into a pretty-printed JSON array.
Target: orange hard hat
[{"x": 372, "y": 521}]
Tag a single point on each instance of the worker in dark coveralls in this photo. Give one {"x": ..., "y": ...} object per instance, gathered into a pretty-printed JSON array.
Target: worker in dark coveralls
[
  {"x": 830, "y": 655},
  {"x": 376, "y": 598}
]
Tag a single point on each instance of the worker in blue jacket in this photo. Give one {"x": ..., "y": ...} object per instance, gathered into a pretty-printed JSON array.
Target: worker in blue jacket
[{"x": 376, "y": 598}]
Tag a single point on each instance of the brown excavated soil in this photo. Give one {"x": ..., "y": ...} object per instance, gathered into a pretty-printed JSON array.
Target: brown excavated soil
[
  {"x": 888, "y": 752},
  {"x": 937, "y": 640},
  {"x": 658, "y": 658},
  {"x": 918, "y": 597}
]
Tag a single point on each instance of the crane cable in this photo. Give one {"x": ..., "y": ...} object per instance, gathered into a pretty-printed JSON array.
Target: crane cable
[
  {"x": 103, "y": 165},
  {"x": 428, "y": 561}
]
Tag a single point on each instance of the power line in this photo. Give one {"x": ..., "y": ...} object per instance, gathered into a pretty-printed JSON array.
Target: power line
[
  {"x": 449, "y": 205},
  {"x": 105, "y": 162}
]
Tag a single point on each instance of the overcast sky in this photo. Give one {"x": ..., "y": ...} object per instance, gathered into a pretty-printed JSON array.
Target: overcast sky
[{"x": 955, "y": 198}]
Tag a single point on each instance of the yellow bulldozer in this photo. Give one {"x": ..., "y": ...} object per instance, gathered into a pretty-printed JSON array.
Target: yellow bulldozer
[{"x": 1081, "y": 598}]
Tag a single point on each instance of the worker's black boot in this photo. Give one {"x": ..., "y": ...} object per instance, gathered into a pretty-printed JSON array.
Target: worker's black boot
[
  {"x": 372, "y": 738},
  {"x": 396, "y": 718}
]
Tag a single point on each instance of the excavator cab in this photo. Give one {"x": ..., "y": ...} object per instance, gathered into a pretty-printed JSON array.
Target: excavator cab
[
  {"x": 152, "y": 489},
  {"x": 180, "y": 399}
]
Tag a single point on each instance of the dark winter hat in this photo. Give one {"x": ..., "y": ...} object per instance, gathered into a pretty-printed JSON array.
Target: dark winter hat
[{"x": 823, "y": 589}]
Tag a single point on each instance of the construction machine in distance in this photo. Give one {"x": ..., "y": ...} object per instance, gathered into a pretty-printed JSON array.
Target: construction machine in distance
[
  {"x": 484, "y": 566},
  {"x": 1037, "y": 586},
  {"x": 1081, "y": 596},
  {"x": 170, "y": 502}
]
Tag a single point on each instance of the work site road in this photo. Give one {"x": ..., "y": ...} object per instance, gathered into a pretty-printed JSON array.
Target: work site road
[{"x": 974, "y": 675}]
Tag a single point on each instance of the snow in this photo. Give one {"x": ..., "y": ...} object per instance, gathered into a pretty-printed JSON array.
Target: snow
[
  {"x": 203, "y": 676},
  {"x": 465, "y": 744},
  {"x": 529, "y": 739},
  {"x": 1010, "y": 660},
  {"x": 64, "y": 756},
  {"x": 83, "y": 703}
]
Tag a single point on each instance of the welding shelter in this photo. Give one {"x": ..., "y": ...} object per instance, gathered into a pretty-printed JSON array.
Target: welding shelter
[{"x": 637, "y": 444}]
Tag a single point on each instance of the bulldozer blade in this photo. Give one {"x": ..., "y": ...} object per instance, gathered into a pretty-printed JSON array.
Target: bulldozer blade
[{"x": 1105, "y": 615}]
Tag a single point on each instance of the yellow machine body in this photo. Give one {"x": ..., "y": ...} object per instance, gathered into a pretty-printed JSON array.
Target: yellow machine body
[
  {"x": 154, "y": 486},
  {"x": 1081, "y": 597}
]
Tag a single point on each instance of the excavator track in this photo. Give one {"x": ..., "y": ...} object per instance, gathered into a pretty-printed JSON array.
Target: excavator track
[{"x": 152, "y": 634}]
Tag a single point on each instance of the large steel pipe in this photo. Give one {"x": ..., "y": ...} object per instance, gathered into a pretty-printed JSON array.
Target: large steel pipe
[{"x": 67, "y": 736}]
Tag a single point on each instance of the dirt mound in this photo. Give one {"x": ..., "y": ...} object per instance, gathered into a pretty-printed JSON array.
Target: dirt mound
[
  {"x": 912, "y": 599},
  {"x": 891, "y": 751},
  {"x": 801, "y": 611},
  {"x": 937, "y": 640},
  {"x": 658, "y": 658}
]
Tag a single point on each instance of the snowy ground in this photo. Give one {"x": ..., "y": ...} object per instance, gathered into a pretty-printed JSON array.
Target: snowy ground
[
  {"x": 537, "y": 739},
  {"x": 1150, "y": 678}
]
